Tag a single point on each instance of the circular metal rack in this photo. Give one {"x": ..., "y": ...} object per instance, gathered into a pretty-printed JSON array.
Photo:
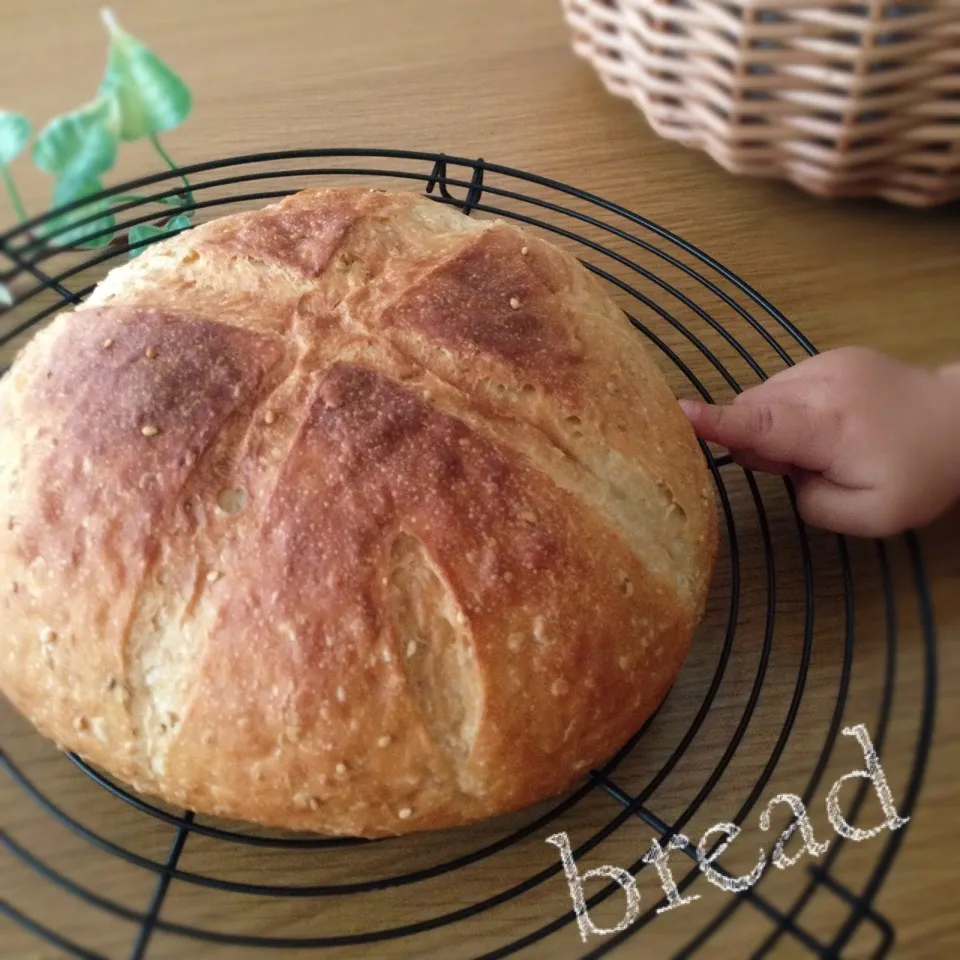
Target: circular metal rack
[{"x": 774, "y": 665}]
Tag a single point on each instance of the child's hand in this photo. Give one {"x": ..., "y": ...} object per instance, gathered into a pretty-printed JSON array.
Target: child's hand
[{"x": 873, "y": 444}]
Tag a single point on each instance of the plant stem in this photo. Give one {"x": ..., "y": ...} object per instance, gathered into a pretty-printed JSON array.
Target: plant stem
[
  {"x": 14, "y": 194},
  {"x": 109, "y": 20},
  {"x": 155, "y": 140}
]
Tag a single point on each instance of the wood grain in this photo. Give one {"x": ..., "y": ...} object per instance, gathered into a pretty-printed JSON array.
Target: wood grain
[{"x": 495, "y": 78}]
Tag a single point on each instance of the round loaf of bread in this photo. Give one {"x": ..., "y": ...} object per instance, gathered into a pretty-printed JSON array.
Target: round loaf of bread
[{"x": 351, "y": 515}]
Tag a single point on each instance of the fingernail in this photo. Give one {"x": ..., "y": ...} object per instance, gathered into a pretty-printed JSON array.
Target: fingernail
[{"x": 689, "y": 407}]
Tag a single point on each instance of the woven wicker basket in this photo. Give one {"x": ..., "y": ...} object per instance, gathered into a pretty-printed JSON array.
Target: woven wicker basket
[{"x": 842, "y": 99}]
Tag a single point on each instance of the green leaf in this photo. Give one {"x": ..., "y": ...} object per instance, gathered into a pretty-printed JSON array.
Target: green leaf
[
  {"x": 68, "y": 190},
  {"x": 14, "y": 134},
  {"x": 142, "y": 233},
  {"x": 148, "y": 233},
  {"x": 79, "y": 145},
  {"x": 151, "y": 97},
  {"x": 180, "y": 222}
]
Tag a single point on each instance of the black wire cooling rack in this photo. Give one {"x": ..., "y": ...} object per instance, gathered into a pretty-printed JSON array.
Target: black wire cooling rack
[{"x": 805, "y": 634}]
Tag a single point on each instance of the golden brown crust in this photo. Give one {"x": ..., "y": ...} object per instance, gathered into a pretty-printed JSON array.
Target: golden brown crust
[{"x": 350, "y": 515}]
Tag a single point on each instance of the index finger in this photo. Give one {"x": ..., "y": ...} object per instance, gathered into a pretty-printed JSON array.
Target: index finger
[{"x": 773, "y": 428}]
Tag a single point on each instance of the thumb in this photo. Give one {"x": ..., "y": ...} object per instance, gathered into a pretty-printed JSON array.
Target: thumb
[
  {"x": 847, "y": 510},
  {"x": 774, "y": 427}
]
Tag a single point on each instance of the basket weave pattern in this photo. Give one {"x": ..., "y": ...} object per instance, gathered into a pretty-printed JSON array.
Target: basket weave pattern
[{"x": 841, "y": 99}]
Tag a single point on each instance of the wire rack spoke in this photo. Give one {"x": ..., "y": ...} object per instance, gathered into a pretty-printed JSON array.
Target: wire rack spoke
[
  {"x": 661, "y": 278},
  {"x": 160, "y": 893},
  {"x": 860, "y": 909},
  {"x": 46, "y": 281}
]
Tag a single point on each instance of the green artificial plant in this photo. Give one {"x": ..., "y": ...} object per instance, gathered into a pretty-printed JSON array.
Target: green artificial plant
[{"x": 139, "y": 98}]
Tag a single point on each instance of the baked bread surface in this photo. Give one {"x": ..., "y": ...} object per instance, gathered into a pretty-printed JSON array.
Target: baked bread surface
[{"x": 350, "y": 515}]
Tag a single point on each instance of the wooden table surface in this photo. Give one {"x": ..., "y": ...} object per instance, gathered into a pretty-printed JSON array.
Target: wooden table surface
[{"x": 495, "y": 78}]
